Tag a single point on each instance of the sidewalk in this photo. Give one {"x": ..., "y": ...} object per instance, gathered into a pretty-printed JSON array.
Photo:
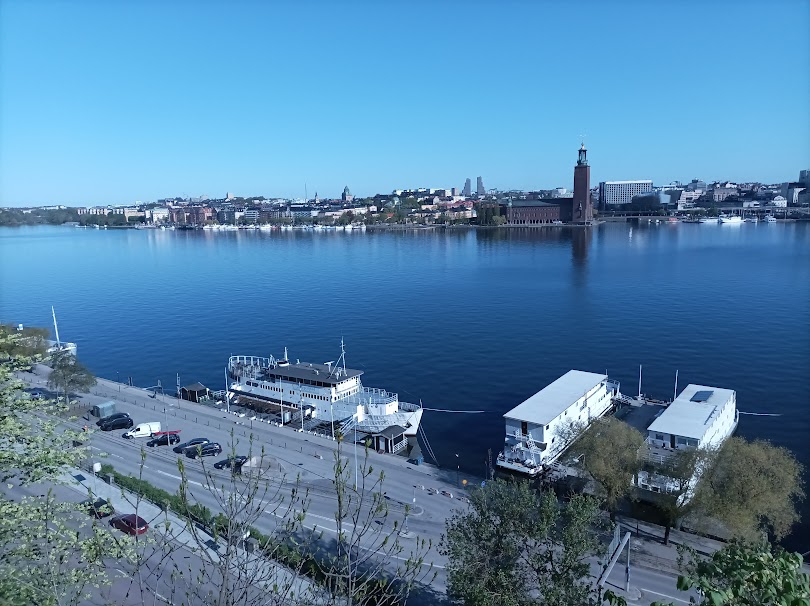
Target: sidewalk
[{"x": 648, "y": 549}]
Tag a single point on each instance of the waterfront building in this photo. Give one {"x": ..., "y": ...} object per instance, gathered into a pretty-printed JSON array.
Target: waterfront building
[
  {"x": 779, "y": 202},
  {"x": 719, "y": 194},
  {"x": 689, "y": 199},
  {"x": 539, "y": 429},
  {"x": 700, "y": 417},
  {"x": 552, "y": 209},
  {"x": 582, "y": 208},
  {"x": 613, "y": 194}
]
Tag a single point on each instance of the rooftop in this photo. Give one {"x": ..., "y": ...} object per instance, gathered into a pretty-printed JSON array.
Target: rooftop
[
  {"x": 550, "y": 402},
  {"x": 314, "y": 372},
  {"x": 691, "y": 414}
]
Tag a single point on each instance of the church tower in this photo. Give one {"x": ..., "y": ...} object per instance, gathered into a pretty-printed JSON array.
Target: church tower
[{"x": 582, "y": 211}]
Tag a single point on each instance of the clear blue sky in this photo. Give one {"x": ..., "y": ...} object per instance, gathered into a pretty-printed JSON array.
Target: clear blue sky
[{"x": 112, "y": 102}]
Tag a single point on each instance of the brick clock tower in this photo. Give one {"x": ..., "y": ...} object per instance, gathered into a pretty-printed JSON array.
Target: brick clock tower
[{"x": 582, "y": 211}]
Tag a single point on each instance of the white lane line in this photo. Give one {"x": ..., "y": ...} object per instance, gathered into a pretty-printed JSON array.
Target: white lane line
[
  {"x": 160, "y": 471},
  {"x": 664, "y": 595}
]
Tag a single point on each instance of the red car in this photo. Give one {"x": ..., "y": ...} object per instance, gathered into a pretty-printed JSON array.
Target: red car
[{"x": 130, "y": 524}]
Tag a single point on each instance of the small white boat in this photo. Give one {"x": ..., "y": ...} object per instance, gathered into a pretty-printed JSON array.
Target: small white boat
[
  {"x": 707, "y": 220},
  {"x": 770, "y": 219},
  {"x": 752, "y": 219},
  {"x": 730, "y": 219}
]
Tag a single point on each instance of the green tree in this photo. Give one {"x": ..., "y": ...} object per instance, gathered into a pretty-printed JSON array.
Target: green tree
[
  {"x": 748, "y": 574},
  {"x": 681, "y": 471},
  {"x": 515, "y": 547},
  {"x": 68, "y": 374},
  {"x": 752, "y": 488},
  {"x": 613, "y": 454}
]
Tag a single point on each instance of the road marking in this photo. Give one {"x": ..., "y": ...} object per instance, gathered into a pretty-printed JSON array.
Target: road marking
[
  {"x": 664, "y": 595},
  {"x": 160, "y": 471}
]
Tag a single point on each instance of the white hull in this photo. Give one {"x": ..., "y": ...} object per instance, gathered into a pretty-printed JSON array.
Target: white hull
[{"x": 732, "y": 220}]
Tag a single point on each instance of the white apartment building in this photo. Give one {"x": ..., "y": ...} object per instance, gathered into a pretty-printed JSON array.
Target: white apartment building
[
  {"x": 616, "y": 193},
  {"x": 688, "y": 199},
  {"x": 779, "y": 202},
  {"x": 537, "y": 430}
]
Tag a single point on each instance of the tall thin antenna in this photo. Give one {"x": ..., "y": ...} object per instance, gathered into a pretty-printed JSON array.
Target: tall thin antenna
[
  {"x": 343, "y": 355},
  {"x": 676, "y": 386},
  {"x": 56, "y": 328}
]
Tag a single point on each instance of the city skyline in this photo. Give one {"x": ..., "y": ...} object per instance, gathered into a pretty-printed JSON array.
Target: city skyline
[{"x": 113, "y": 104}]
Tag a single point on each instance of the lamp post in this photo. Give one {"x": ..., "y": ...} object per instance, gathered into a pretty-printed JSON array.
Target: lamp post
[
  {"x": 118, "y": 380},
  {"x": 355, "y": 456},
  {"x": 458, "y": 470}
]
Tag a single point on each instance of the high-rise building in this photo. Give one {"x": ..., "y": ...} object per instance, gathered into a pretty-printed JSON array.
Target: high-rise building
[
  {"x": 616, "y": 193},
  {"x": 467, "y": 191},
  {"x": 479, "y": 187},
  {"x": 582, "y": 208}
]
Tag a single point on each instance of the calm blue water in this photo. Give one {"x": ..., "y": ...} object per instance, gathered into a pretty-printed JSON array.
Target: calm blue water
[{"x": 463, "y": 320}]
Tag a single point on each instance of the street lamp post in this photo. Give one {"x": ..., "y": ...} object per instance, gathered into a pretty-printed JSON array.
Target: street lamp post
[{"x": 118, "y": 380}]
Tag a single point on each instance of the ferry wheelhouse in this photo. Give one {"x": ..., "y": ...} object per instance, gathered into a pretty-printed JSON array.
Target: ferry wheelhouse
[{"x": 328, "y": 392}]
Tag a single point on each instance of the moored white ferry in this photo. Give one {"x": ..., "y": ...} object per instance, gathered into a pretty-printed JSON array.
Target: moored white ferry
[{"x": 328, "y": 392}]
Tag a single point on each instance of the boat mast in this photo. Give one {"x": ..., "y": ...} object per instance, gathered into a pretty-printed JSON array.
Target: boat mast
[
  {"x": 676, "y": 386},
  {"x": 639, "y": 381},
  {"x": 56, "y": 328}
]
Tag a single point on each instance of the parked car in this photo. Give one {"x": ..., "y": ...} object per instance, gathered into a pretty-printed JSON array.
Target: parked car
[
  {"x": 130, "y": 524},
  {"x": 206, "y": 450},
  {"x": 165, "y": 440},
  {"x": 235, "y": 462},
  {"x": 195, "y": 442},
  {"x": 112, "y": 417},
  {"x": 119, "y": 423},
  {"x": 143, "y": 430},
  {"x": 98, "y": 508},
  {"x": 36, "y": 395}
]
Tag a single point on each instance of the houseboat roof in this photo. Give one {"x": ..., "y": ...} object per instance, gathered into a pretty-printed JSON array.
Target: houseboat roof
[
  {"x": 551, "y": 401},
  {"x": 314, "y": 372},
  {"x": 692, "y": 413}
]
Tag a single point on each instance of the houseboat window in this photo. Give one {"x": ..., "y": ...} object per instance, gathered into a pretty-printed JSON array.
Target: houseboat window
[{"x": 659, "y": 436}]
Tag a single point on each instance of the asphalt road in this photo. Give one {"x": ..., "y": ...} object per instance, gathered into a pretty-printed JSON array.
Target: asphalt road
[{"x": 296, "y": 459}]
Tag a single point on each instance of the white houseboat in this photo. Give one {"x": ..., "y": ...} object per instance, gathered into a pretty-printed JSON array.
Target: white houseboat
[
  {"x": 329, "y": 392},
  {"x": 700, "y": 417},
  {"x": 539, "y": 429}
]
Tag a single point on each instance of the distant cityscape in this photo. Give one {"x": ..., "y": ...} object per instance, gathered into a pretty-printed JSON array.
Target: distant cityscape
[{"x": 430, "y": 206}]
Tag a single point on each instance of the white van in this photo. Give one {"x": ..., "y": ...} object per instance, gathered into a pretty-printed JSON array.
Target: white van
[{"x": 143, "y": 430}]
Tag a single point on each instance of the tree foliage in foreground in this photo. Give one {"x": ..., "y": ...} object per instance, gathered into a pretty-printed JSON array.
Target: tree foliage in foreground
[
  {"x": 516, "y": 547},
  {"x": 612, "y": 456},
  {"x": 49, "y": 554},
  {"x": 752, "y": 488},
  {"x": 745, "y": 574}
]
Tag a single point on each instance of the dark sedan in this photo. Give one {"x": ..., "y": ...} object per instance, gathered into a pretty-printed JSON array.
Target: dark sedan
[
  {"x": 235, "y": 462},
  {"x": 206, "y": 450},
  {"x": 195, "y": 442},
  {"x": 165, "y": 440},
  {"x": 111, "y": 418},
  {"x": 130, "y": 524},
  {"x": 100, "y": 508},
  {"x": 119, "y": 423}
]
